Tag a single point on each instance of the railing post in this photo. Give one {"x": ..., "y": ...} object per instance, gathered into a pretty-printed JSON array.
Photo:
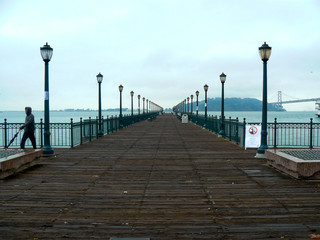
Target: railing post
[
  {"x": 84, "y": 128},
  {"x": 97, "y": 127},
  {"x": 90, "y": 130},
  {"x": 111, "y": 123},
  {"x": 237, "y": 130},
  {"x": 244, "y": 132},
  {"x": 41, "y": 132},
  {"x": 81, "y": 131},
  {"x": 5, "y": 134},
  {"x": 117, "y": 123},
  {"x": 71, "y": 132},
  {"x": 214, "y": 124},
  {"x": 107, "y": 123},
  {"x": 102, "y": 125},
  {"x": 275, "y": 133},
  {"x": 214, "y": 120},
  {"x": 311, "y": 126},
  {"x": 229, "y": 128},
  {"x": 223, "y": 127}
]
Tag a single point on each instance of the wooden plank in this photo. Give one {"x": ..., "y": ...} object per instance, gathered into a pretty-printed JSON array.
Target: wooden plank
[{"x": 157, "y": 180}]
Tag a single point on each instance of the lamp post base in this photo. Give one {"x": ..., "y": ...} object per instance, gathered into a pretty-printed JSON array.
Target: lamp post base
[
  {"x": 261, "y": 151},
  {"x": 221, "y": 134},
  {"x": 260, "y": 155},
  {"x": 100, "y": 133},
  {"x": 47, "y": 151}
]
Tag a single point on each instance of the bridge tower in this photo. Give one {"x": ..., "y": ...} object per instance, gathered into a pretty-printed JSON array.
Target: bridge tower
[{"x": 280, "y": 99}]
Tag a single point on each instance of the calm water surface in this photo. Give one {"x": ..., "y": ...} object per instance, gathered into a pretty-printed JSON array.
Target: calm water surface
[
  {"x": 302, "y": 116},
  {"x": 55, "y": 116}
]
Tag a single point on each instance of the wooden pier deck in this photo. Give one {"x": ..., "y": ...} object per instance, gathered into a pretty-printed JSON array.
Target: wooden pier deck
[{"x": 157, "y": 180}]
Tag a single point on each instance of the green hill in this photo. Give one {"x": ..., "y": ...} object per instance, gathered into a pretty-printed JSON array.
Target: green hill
[{"x": 237, "y": 104}]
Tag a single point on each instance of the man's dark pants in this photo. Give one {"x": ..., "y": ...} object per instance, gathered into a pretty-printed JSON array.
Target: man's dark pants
[{"x": 25, "y": 136}]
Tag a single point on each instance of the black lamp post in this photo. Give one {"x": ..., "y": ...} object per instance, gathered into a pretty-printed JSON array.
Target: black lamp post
[
  {"x": 99, "y": 80},
  {"x": 139, "y": 104},
  {"x": 205, "y": 87},
  {"x": 265, "y": 52},
  {"x": 46, "y": 54},
  {"x": 120, "y": 120},
  {"x": 188, "y": 105},
  {"x": 197, "y": 110},
  {"x": 223, "y": 78},
  {"x": 182, "y": 107},
  {"x": 191, "y": 104},
  {"x": 143, "y": 99},
  {"x": 131, "y": 93}
]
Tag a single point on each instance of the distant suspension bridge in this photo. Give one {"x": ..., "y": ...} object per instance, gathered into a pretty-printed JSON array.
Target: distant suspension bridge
[{"x": 280, "y": 101}]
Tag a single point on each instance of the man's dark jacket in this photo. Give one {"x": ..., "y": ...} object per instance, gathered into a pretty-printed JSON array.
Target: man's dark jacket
[{"x": 28, "y": 125}]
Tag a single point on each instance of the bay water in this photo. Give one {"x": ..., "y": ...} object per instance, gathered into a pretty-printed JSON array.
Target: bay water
[{"x": 56, "y": 116}]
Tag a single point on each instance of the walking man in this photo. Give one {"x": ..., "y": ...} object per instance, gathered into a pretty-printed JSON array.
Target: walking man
[{"x": 29, "y": 128}]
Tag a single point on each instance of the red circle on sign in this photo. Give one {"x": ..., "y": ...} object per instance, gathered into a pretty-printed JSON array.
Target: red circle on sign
[{"x": 253, "y": 130}]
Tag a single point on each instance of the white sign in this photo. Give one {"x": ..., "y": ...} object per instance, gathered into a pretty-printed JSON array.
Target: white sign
[{"x": 253, "y": 136}]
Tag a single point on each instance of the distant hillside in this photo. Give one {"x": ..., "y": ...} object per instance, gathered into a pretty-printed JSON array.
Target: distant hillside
[{"x": 237, "y": 104}]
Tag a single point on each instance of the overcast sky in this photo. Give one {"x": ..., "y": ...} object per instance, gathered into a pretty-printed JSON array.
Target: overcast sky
[{"x": 163, "y": 50}]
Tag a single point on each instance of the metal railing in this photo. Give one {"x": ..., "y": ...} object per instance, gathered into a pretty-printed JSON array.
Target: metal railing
[
  {"x": 302, "y": 135},
  {"x": 233, "y": 129},
  {"x": 66, "y": 135},
  {"x": 293, "y": 134}
]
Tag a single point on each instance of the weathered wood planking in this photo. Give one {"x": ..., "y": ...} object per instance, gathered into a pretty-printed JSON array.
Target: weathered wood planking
[{"x": 157, "y": 180}]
